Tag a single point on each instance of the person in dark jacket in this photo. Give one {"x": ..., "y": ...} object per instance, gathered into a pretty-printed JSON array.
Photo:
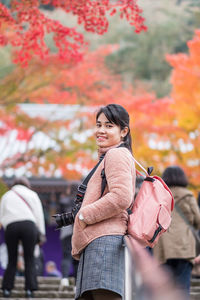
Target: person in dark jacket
[{"x": 177, "y": 247}]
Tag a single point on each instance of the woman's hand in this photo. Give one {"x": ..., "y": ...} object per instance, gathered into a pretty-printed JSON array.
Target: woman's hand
[
  {"x": 81, "y": 221},
  {"x": 197, "y": 260}
]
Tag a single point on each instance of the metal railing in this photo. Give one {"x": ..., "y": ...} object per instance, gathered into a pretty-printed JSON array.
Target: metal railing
[{"x": 145, "y": 279}]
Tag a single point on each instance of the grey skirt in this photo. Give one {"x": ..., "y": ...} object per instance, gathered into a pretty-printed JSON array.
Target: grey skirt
[{"x": 102, "y": 266}]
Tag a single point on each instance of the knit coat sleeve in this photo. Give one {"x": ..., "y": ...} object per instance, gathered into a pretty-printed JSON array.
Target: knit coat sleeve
[{"x": 119, "y": 170}]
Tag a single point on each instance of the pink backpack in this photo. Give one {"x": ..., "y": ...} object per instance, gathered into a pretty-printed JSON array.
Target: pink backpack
[{"x": 151, "y": 212}]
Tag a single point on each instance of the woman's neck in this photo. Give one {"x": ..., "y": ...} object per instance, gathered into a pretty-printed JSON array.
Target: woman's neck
[{"x": 102, "y": 150}]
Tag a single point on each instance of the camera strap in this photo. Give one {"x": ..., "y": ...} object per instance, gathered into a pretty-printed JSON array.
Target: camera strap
[{"x": 83, "y": 186}]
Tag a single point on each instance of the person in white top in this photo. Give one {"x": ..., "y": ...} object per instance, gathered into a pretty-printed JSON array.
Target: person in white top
[{"x": 22, "y": 217}]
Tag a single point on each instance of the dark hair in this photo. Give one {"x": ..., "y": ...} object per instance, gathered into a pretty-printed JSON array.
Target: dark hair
[
  {"x": 175, "y": 176},
  {"x": 22, "y": 181},
  {"x": 118, "y": 115}
]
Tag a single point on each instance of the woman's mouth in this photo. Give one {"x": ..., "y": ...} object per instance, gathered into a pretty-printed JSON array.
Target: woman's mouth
[{"x": 101, "y": 138}]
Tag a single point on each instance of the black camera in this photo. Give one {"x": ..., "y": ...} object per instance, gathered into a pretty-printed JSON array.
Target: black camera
[{"x": 68, "y": 218}]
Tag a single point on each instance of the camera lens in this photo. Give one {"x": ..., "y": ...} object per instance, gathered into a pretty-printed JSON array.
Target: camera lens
[
  {"x": 58, "y": 220},
  {"x": 67, "y": 219},
  {"x": 64, "y": 219}
]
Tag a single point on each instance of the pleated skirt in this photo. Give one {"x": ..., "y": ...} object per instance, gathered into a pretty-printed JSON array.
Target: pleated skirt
[{"x": 102, "y": 266}]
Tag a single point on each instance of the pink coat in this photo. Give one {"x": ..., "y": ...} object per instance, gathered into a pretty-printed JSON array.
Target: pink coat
[{"x": 106, "y": 215}]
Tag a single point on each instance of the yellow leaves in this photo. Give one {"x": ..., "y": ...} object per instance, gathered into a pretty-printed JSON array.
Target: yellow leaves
[{"x": 188, "y": 117}]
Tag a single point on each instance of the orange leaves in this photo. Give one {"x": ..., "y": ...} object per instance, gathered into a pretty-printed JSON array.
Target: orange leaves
[
  {"x": 186, "y": 85},
  {"x": 89, "y": 84},
  {"x": 165, "y": 131},
  {"x": 186, "y": 95}
]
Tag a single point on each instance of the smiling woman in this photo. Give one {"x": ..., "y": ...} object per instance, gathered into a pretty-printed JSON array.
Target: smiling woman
[
  {"x": 101, "y": 223},
  {"x": 112, "y": 126},
  {"x": 108, "y": 133}
]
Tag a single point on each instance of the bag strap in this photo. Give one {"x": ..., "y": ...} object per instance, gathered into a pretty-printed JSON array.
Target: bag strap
[
  {"x": 23, "y": 200},
  {"x": 103, "y": 175},
  {"x": 83, "y": 186},
  {"x": 194, "y": 231},
  {"x": 141, "y": 167},
  {"x": 147, "y": 172}
]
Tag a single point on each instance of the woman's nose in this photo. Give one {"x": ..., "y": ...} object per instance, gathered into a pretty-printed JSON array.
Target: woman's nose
[{"x": 101, "y": 129}]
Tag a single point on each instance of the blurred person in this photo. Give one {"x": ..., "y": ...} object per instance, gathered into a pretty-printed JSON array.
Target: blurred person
[
  {"x": 51, "y": 269},
  {"x": 138, "y": 184},
  {"x": 196, "y": 268},
  {"x": 20, "y": 261},
  {"x": 198, "y": 199},
  {"x": 3, "y": 256},
  {"x": 176, "y": 248},
  {"x": 67, "y": 261},
  {"x": 101, "y": 223},
  {"x": 22, "y": 218},
  {"x": 52, "y": 207},
  {"x": 39, "y": 260},
  {"x": 66, "y": 202}
]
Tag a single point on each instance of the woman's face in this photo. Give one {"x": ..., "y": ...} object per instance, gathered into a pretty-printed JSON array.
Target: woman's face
[{"x": 108, "y": 134}]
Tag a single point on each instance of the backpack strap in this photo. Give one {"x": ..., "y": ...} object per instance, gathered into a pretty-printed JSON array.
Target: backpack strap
[
  {"x": 103, "y": 186},
  {"x": 147, "y": 172},
  {"x": 103, "y": 175},
  {"x": 104, "y": 180}
]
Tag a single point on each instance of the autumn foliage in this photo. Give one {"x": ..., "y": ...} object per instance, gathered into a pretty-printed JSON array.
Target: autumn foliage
[
  {"x": 165, "y": 131},
  {"x": 89, "y": 84},
  {"x": 186, "y": 105},
  {"x": 24, "y": 26}
]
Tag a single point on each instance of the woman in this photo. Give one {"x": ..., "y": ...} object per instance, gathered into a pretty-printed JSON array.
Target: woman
[
  {"x": 21, "y": 216},
  {"x": 176, "y": 248},
  {"x": 102, "y": 221}
]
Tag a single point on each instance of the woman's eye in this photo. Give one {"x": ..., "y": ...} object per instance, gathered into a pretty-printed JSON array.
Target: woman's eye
[
  {"x": 98, "y": 125},
  {"x": 109, "y": 126}
]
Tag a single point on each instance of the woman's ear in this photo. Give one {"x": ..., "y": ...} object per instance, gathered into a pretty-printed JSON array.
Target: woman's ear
[{"x": 124, "y": 132}]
